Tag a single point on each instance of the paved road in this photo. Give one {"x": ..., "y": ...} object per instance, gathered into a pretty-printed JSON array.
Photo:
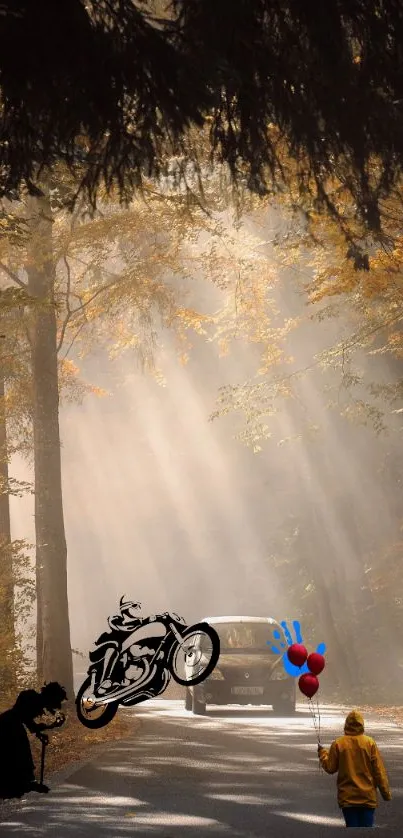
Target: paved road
[{"x": 239, "y": 773}]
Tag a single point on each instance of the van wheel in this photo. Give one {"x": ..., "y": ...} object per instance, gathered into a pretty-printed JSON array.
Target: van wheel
[
  {"x": 198, "y": 707},
  {"x": 188, "y": 700}
]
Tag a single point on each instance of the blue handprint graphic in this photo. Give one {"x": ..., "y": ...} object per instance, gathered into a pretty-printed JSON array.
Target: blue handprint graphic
[{"x": 290, "y": 668}]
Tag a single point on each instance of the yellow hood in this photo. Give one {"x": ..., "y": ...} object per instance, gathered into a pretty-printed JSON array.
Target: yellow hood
[
  {"x": 354, "y": 724},
  {"x": 359, "y": 766}
]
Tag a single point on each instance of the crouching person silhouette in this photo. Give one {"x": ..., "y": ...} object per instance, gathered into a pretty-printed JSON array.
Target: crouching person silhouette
[{"x": 17, "y": 769}]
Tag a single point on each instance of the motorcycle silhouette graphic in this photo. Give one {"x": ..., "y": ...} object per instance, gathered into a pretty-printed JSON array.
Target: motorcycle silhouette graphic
[{"x": 139, "y": 656}]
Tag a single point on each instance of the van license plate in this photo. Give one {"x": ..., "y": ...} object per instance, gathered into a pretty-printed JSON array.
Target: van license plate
[{"x": 247, "y": 690}]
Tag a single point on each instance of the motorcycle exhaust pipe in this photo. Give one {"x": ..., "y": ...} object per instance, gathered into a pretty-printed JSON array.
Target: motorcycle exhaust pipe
[{"x": 121, "y": 694}]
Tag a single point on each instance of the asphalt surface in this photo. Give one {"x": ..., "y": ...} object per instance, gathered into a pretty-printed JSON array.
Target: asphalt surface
[{"x": 238, "y": 772}]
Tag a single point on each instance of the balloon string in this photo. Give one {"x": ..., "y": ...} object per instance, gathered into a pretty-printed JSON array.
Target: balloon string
[
  {"x": 318, "y": 709},
  {"x": 316, "y": 721},
  {"x": 311, "y": 707}
]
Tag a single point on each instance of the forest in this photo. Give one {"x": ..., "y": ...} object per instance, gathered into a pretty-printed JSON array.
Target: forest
[{"x": 139, "y": 232}]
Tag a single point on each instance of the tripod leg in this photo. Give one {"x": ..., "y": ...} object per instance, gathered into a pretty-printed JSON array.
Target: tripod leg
[{"x": 42, "y": 762}]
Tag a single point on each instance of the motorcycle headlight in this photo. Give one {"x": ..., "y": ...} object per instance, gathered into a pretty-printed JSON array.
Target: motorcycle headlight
[{"x": 216, "y": 675}]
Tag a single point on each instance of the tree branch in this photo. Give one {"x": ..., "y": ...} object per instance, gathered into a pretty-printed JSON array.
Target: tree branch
[
  {"x": 96, "y": 293},
  {"x": 13, "y": 276},
  {"x": 80, "y": 328},
  {"x": 69, "y": 311}
]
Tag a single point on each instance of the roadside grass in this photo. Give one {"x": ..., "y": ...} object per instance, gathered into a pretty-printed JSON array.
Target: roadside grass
[
  {"x": 368, "y": 700},
  {"x": 390, "y": 713},
  {"x": 74, "y": 743}
]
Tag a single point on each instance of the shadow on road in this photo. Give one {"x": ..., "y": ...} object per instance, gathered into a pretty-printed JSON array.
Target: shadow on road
[
  {"x": 183, "y": 777},
  {"x": 249, "y": 712}
]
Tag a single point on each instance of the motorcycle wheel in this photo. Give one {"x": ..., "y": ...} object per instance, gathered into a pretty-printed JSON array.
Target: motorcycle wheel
[
  {"x": 87, "y": 716},
  {"x": 173, "y": 663}
]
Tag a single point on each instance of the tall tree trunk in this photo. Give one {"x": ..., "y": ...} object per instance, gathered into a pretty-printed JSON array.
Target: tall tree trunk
[
  {"x": 54, "y": 645},
  {"x": 8, "y": 673}
]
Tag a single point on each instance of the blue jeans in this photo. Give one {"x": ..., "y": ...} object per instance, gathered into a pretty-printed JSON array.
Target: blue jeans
[{"x": 358, "y": 816}]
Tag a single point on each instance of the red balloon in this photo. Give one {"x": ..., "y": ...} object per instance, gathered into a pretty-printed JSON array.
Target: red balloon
[
  {"x": 297, "y": 654},
  {"x": 308, "y": 684},
  {"x": 316, "y": 663}
]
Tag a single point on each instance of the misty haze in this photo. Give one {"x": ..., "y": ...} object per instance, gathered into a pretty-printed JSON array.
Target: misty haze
[{"x": 201, "y": 402}]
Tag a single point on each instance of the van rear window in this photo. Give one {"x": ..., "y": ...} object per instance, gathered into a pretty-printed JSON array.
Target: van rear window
[{"x": 245, "y": 635}]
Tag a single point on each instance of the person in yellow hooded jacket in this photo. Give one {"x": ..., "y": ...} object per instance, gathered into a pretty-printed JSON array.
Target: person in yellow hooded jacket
[{"x": 360, "y": 772}]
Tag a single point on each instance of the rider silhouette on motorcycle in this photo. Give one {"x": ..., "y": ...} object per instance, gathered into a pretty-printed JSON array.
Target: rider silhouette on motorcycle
[{"x": 120, "y": 625}]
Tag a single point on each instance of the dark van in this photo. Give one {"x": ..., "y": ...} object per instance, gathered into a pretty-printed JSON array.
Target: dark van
[{"x": 247, "y": 672}]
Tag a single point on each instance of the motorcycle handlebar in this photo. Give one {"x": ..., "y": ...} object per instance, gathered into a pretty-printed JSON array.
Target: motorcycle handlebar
[{"x": 151, "y": 619}]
